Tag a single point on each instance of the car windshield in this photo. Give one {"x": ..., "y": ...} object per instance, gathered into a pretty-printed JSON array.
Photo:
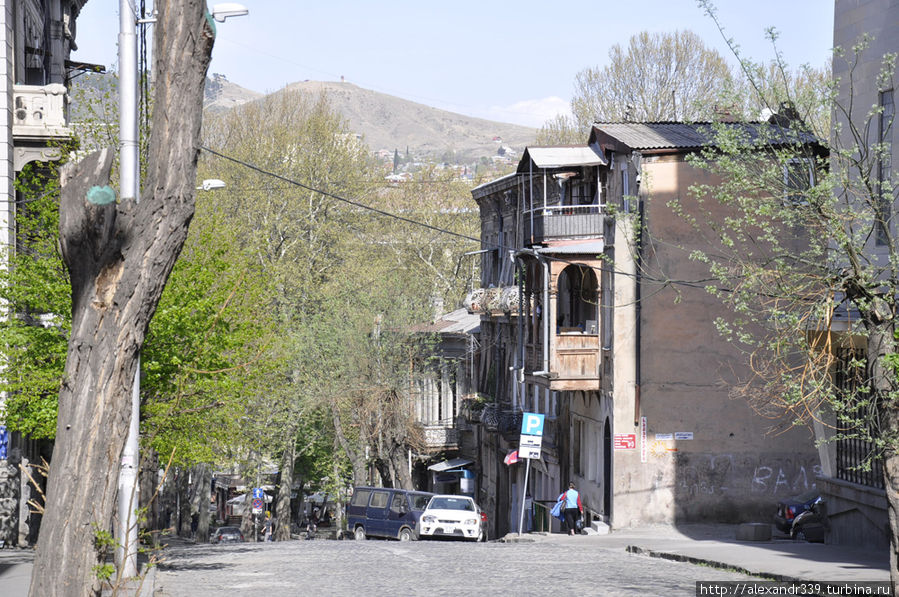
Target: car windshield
[{"x": 449, "y": 503}]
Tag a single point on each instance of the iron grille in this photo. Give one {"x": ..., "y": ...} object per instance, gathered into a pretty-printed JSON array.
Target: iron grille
[{"x": 852, "y": 453}]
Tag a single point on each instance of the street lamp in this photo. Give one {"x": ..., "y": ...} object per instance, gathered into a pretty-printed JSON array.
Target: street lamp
[
  {"x": 129, "y": 188},
  {"x": 211, "y": 184},
  {"x": 220, "y": 12}
]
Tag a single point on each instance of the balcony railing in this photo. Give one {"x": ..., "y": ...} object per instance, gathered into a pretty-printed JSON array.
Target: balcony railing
[{"x": 563, "y": 222}]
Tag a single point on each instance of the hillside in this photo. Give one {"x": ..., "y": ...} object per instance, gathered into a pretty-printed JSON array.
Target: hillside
[{"x": 387, "y": 123}]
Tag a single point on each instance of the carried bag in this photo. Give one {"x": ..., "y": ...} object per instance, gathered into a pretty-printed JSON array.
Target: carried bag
[
  {"x": 579, "y": 524},
  {"x": 557, "y": 511}
]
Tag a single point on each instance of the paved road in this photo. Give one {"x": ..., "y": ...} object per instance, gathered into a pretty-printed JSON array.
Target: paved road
[{"x": 563, "y": 566}]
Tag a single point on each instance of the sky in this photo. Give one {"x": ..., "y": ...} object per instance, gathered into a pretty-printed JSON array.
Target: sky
[{"x": 506, "y": 61}]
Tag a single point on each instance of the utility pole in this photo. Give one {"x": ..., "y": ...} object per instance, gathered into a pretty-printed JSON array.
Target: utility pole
[{"x": 129, "y": 188}]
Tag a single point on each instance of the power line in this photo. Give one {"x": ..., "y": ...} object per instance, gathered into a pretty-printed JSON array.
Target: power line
[
  {"x": 338, "y": 197},
  {"x": 697, "y": 284}
]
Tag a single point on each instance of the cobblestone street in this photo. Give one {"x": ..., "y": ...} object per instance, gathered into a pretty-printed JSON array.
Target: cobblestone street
[{"x": 360, "y": 568}]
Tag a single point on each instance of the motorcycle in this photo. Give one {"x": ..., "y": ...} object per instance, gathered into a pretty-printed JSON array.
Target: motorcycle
[
  {"x": 813, "y": 524},
  {"x": 311, "y": 528}
]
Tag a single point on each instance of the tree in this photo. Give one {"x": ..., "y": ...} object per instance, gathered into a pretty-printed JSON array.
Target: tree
[
  {"x": 807, "y": 240},
  {"x": 658, "y": 77},
  {"x": 119, "y": 257}
]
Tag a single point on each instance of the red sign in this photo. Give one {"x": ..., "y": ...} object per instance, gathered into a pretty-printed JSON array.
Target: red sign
[{"x": 625, "y": 441}]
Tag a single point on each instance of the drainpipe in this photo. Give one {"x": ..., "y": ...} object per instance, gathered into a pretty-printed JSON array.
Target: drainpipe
[{"x": 638, "y": 294}]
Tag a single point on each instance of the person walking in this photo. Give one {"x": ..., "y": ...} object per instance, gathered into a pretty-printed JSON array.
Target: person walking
[{"x": 572, "y": 507}]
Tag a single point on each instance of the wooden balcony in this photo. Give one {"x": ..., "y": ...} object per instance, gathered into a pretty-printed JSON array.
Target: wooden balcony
[
  {"x": 563, "y": 222},
  {"x": 574, "y": 362}
]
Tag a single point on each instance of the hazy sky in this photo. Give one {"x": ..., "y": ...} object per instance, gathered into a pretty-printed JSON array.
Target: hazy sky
[{"x": 506, "y": 61}]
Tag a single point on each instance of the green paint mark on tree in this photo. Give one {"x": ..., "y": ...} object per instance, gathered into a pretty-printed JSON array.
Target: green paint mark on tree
[{"x": 101, "y": 195}]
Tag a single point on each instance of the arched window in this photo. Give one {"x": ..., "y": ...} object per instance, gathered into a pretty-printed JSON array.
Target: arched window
[{"x": 577, "y": 300}]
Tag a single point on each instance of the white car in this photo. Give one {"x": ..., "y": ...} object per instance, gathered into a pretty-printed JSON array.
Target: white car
[{"x": 453, "y": 516}]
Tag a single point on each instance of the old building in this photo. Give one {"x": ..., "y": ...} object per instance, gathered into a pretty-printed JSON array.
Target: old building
[
  {"x": 853, "y": 483},
  {"x": 37, "y": 38},
  {"x": 589, "y": 316}
]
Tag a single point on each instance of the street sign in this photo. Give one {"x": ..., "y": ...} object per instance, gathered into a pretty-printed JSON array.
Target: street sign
[
  {"x": 529, "y": 452},
  {"x": 531, "y": 441},
  {"x": 532, "y": 424},
  {"x": 257, "y": 505},
  {"x": 257, "y": 493},
  {"x": 625, "y": 441}
]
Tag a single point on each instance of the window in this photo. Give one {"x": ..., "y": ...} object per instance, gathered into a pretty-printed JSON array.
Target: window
[
  {"x": 799, "y": 177},
  {"x": 360, "y": 498},
  {"x": 379, "y": 499},
  {"x": 884, "y": 188},
  {"x": 577, "y": 300},
  {"x": 398, "y": 503}
]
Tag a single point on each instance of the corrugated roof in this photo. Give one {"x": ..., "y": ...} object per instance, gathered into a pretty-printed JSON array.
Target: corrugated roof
[
  {"x": 679, "y": 135},
  {"x": 560, "y": 157},
  {"x": 459, "y": 321}
]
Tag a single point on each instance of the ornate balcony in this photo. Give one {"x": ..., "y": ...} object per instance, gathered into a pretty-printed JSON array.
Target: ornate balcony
[{"x": 39, "y": 118}]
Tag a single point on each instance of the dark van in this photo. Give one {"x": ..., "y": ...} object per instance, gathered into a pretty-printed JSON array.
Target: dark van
[{"x": 384, "y": 512}]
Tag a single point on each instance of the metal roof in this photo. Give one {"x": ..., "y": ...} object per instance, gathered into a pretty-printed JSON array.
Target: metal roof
[
  {"x": 680, "y": 135},
  {"x": 560, "y": 157},
  {"x": 459, "y": 321}
]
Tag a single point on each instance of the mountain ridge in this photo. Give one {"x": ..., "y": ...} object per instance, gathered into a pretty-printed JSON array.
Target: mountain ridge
[{"x": 390, "y": 123}]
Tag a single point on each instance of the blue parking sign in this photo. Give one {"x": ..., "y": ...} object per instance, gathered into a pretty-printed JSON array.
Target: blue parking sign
[
  {"x": 257, "y": 493},
  {"x": 532, "y": 424}
]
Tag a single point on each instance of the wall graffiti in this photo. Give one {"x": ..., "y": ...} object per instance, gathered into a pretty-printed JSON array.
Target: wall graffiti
[
  {"x": 734, "y": 475},
  {"x": 784, "y": 478}
]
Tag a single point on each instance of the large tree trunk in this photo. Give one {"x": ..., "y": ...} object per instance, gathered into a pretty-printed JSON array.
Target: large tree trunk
[
  {"x": 119, "y": 257},
  {"x": 282, "y": 502},
  {"x": 203, "y": 493}
]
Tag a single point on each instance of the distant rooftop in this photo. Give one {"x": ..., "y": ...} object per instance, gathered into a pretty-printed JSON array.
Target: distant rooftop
[{"x": 680, "y": 135}]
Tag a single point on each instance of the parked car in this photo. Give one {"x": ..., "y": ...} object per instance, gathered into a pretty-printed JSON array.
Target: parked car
[
  {"x": 227, "y": 535},
  {"x": 803, "y": 517},
  {"x": 453, "y": 516},
  {"x": 385, "y": 512}
]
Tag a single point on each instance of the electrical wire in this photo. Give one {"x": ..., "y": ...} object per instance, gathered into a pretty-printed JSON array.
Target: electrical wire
[{"x": 697, "y": 284}]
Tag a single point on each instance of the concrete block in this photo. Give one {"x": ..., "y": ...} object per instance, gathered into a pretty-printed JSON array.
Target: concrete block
[
  {"x": 754, "y": 531},
  {"x": 599, "y": 527}
]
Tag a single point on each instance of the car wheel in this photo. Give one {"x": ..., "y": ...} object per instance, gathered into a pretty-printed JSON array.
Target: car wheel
[
  {"x": 799, "y": 535},
  {"x": 482, "y": 537},
  {"x": 359, "y": 534},
  {"x": 406, "y": 534}
]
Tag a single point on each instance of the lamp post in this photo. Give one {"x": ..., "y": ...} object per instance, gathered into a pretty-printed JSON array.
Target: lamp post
[{"x": 129, "y": 188}]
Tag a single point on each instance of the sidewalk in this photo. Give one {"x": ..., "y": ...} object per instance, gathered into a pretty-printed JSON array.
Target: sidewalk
[{"x": 716, "y": 545}]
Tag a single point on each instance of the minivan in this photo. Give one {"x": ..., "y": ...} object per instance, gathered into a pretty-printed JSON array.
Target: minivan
[{"x": 385, "y": 512}]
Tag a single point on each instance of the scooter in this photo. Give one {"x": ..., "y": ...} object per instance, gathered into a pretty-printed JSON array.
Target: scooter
[
  {"x": 813, "y": 524},
  {"x": 311, "y": 528}
]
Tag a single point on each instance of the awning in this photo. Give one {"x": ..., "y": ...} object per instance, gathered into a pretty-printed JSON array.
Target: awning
[
  {"x": 452, "y": 463},
  {"x": 559, "y": 157}
]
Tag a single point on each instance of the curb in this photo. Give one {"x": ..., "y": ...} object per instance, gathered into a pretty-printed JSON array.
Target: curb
[{"x": 674, "y": 557}]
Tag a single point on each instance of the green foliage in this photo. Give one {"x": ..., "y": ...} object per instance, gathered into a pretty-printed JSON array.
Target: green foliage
[
  {"x": 36, "y": 288},
  {"x": 789, "y": 228}
]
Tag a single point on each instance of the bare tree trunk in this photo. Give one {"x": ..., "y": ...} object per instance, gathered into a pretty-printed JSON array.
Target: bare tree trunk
[
  {"x": 119, "y": 256},
  {"x": 282, "y": 501},
  {"x": 184, "y": 502},
  {"x": 148, "y": 472},
  {"x": 201, "y": 499},
  {"x": 357, "y": 459}
]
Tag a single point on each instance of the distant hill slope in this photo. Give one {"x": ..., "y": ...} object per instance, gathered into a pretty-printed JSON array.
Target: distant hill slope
[
  {"x": 389, "y": 122},
  {"x": 386, "y": 122}
]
